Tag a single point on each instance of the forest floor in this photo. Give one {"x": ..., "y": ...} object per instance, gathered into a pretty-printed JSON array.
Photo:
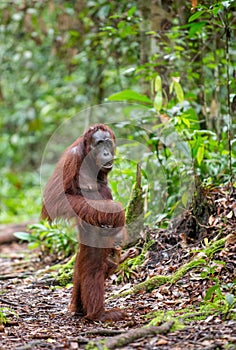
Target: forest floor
[{"x": 201, "y": 300}]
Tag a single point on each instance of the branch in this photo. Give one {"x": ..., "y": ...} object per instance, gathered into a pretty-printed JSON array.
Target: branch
[
  {"x": 146, "y": 286},
  {"x": 124, "y": 339}
]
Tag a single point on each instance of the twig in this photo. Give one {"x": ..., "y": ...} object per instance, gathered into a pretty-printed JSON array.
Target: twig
[
  {"x": 8, "y": 302},
  {"x": 201, "y": 225},
  {"x": 103, "y": 332},
  {"x": 31, "y": 345},
  {"x": 8, "y": 277}
]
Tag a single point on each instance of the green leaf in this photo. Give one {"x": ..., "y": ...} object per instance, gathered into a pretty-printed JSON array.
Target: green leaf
[
  {"x": 210, "y": 292},
  {"x": 230, "y": 299},
  {"x": 33, "y": 245},
  {"x": 196, "y": 15},
  {"x": 200, "y": 154},
  {"x": 186, "y": 122},
  {"x": 158, "y": 83},
  {"x": 151, "y": 32},
  {"x": 204, "y": 133},
  {"x": 38, "y": 227},
  {"x": 179, "y": 91},
  {"x": 121, "y": 24},
  {"x": 131, "y": 11},
  {"x": 129, "y": 95},
  {"x": 185, "y": 198},
  {"x": 179, "y": 48},
  {"x": 195, "y": 27},
  {"x": 24, "y": 236},
  {"x": 158, "y": 101}
]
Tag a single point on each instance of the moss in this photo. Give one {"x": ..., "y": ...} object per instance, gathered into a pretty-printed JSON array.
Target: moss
[
  {"x": 65, "y": 272},
  {"x": 198, "y": 260},
  {"x": 64, "y": 278},
  {"x": 3, "y": 318},
  {"x": 94, "y": 346},
  {"x": 185, "y": 268},
  {"x": 68, "y": 265},
  {"x": 146, "y": 286},
  {"x": 215, "y": 247},
  {"x": 155, "y": 282},
  {"x": 181, "y": 318},
  {"x": 135, "y": 209}
]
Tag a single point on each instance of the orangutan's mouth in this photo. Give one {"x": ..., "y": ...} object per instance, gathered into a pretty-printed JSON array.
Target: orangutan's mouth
[{"x": 108, "y": 165}]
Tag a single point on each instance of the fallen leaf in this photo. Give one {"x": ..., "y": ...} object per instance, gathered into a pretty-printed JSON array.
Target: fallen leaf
[
  {"x": 230, "y": 215},
  {"x": 162, "y": 342}
]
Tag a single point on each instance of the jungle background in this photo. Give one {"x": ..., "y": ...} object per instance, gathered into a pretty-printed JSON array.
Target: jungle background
[{"x": 164, "y": 73}]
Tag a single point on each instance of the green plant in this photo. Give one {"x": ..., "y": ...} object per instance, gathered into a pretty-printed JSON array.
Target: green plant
[
  {"x": 5, "y": 312},
  {"x": 20, "y": 196},
  {"x": 3, "y": 318},
  {"x": 58, "y": 237},
  {"x": 217, "y": 298},
  {"x": 128, "y": 267},
  {"x": 184, "y": 98}
]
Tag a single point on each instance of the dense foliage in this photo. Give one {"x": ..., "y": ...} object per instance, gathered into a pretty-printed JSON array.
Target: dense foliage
[{"x": 58, "y": 58}]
